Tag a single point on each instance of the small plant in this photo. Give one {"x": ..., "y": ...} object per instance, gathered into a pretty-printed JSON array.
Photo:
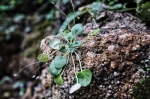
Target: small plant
[
  {"x": 66, "y": 43},
  {"x": 67, "y": 48}
]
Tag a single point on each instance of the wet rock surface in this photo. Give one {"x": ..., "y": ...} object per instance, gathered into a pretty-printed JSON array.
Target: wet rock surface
[{"x": 113, "y": 56}]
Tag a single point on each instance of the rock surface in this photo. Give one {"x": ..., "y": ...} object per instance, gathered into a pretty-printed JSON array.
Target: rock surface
[{"x": 113, "y": 56}]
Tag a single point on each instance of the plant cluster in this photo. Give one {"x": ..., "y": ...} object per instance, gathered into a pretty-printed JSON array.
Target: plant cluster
[{"x": 67, "y": 48}]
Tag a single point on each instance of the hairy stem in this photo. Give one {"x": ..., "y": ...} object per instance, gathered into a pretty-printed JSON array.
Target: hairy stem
[
  {"x": 25, "y": 67},
  {"x": 38, "y": 69},
  {"x": 67, "y": 53},
  {"x": 63, "y": 14},
  {"x": 73, "y": 11},
  {"x": 79, "y": 61},
  {"x": 74, "y": 67}
]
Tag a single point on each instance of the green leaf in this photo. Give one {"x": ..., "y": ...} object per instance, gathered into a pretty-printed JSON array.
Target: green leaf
[
  {"x": 111, "y": 3},
  {"x": 117, "y": 6},
  {"x": 84, "y": 77},
  {"x": 69, "y": 19},
  {"x": 59, "y": 61},
  {"x": 69, "y": 44},
  {"x": 53, "y": 71},
  {"x": 96, "y": 6},
  {"x": 71, "y": 47},
  {"x": 70, "y": 36},
  {"x": 59, "y": 80},
  {"x": 77, "y": 29},
  {"x": 95, "y": 32},
  {"x": 77, "y": 43},
  {"x": 54, "y": 43},
  {"x": 63, "y": 49},
  {"x": 72, "y": 50},
  {"x": 43, "y": 58},
  {"x": 64, "y": 33}
]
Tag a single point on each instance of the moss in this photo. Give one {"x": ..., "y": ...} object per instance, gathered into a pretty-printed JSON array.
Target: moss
[
  {"x": 143, "y": 12},
  {"x": 142, "y": 90}
]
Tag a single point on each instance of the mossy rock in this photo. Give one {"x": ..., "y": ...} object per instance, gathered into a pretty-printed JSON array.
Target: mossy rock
[{"x": 142, "y": 90}]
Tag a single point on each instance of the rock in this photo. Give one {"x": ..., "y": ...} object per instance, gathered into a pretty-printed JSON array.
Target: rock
[{"x": 113, "y": 56}]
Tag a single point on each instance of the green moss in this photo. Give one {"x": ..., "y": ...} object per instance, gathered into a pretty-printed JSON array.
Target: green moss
[
  {"x": 142, "y": 90},
  {"x": 143, "y": 12}
]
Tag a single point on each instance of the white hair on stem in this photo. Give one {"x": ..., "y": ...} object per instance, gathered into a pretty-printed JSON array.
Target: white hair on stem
[{"x": 25, "y": 67}]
